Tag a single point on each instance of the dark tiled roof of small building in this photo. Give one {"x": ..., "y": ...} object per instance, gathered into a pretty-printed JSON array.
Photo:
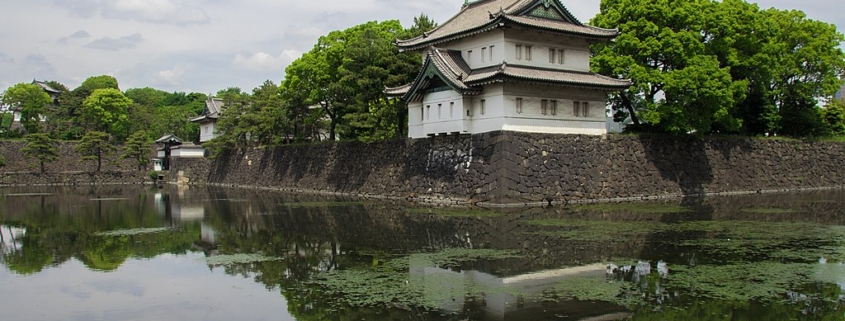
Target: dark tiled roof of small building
[
  {"x": 213, "y": 108},
  {"x": 47, "y": 87},
  {"x": 169, "y": 138},
  {"x": 485, "y": 15}
]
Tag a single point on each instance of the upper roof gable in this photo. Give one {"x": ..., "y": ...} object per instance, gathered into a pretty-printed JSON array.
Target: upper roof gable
[
  {"x": 484, "y": 15},
  {"x": 441, "y": 67},
  {"x": 549, "y": 9}
]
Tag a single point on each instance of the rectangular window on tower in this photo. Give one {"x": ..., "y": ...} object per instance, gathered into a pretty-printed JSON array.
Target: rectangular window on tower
[
  {"x": 518, "y": 52},
  {"x": 576, "y": 109},
  {"x": 422, "y": 114},
  {"x": 585, "y": 109},
  {"x": 554, "y": 107},
  {"x": 428, "y": 112},
  {"x": 452, "y": 109},
  {"x": 528, "y": 53},
  {"x": 469, "y": 56},
  {"x": 491, "y": 53},
  {"x": 544, "y": 107},
  {"x": 519, "y": 105},
  {"x": 552, "y": 53},
  {"x": 439, "y": 111},
  {"x": 483, "y": 53},
  {"x": 560, "y": 56},
  {"x": 483, "y": 106}
]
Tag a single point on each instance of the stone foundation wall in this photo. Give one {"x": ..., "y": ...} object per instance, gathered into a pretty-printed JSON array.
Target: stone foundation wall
[
  {"x": 69, "y": 178},
  {"x": 68, "y": 169},
  {"x": 508, "y": 167}
]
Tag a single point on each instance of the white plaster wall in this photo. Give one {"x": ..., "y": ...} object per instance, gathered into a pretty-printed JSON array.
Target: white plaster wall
[
  {"x": 479, "y": 43},
  {"x": 415, "y": 120},
  {"x": 443, "y": 112},
  {"x": 492, "y": 118},
  {"x": 577, "y": 52},
  {"x": 207, "y": 132},
  {"x": 187, "y": 153}
]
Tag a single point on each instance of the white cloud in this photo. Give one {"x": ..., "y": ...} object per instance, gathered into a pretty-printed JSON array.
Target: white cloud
[
  {"x": 157, "y": 11},
  {"x": 4, "y": 58},
  {"x": 265, "y": 62},
  {"x": 172, "y": 76},
  {"x": 81, "y": 34},
  {"x": 178, "y": 12},
  {"x": 38, "y": 66},
  {"x": 125, "y": 42}
]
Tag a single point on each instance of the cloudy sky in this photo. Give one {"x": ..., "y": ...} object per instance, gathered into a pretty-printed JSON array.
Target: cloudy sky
[{"x": 208, "y": 45}]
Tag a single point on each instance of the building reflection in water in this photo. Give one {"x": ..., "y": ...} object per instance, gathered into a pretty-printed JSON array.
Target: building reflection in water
[
  {"x": 500, "y": 300},
  {"x": 11, "y": 238}
]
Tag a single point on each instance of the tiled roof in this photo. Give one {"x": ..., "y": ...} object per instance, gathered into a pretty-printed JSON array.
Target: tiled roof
[
  {"x": 453, "y": 70},
  {"x": 397, "y": 91},
  {"x": 448, "y": 64},
  {"x": 46, "y": 87},
  {"x": 484, "y": 15},
  {"x": 213, "y": 108},
  {"x": 563, "y": 26},
  {"x": 169, "y": 138},
  {"x": 566, "y": 77}
]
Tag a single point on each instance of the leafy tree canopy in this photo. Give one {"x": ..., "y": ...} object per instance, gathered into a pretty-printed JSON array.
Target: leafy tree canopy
[
  {"x": 107, "y": 110},
  {"x": 718, "y": 66}
]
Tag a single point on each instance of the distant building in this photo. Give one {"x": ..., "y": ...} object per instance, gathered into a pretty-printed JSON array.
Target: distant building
[
  {"x": 516, "y": 65},
  {"x": 54, "y": 94},
  {"x": 208, "y": 119}
]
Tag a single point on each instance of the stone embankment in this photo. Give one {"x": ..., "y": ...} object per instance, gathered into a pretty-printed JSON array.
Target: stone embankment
[
  {"x": 522, "y": 168},
  {"x": 68, "y": 169}
]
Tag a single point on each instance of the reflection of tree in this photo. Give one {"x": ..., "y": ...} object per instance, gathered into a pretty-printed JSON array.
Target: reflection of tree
[
  {"x": 64, "y": 226},
  {"x": 105, "y": 253}
]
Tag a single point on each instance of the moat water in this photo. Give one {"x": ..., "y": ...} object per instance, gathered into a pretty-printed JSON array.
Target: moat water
[{"x": 140, "y": 253}]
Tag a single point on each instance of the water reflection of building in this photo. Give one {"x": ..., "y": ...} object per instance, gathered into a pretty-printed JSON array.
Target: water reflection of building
[
  {"x": 515, "y": 297},
  {"x": 10, "y": 238},
  {"x": 179, "y": 208}
]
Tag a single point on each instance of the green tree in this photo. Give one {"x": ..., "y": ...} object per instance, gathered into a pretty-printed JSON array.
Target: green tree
[
  {"x": 271, "y": 126},
  {"x": 147, "y": 96},
  {"x": 106, "y": 110},
  {"x": 94, "y": 146},
  {"x": 718, "y": 66},
  {"x": 345, "y": 75},
  {"x": 679, "y": 86},
  {"x": 41, "y": 147},
  {"x": 834, "y": 116},
  {"x": 99, "y": 82},
  {"x": 238, "y": 120},
  {"x": 31, "y": 100},
  {"x": 422, "y": 23},
  {"x": 137, "y": 147}
]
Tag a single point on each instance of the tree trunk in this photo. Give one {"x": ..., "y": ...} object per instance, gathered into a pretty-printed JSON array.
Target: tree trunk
[
  {"x": 627, "y": 103},
  {"x": 42, "y": 167},
  {"x": 99, "y": 160}
]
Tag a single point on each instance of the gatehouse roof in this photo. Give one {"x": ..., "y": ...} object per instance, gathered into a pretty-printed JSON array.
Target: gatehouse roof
[{"x": 485, "y": 15}]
